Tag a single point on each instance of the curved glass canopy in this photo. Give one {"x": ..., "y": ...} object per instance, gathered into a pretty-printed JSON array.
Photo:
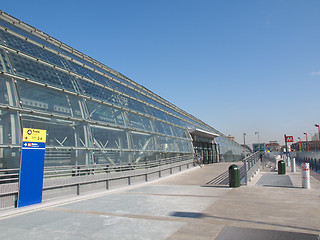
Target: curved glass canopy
[{"x": 92, "y": 113}]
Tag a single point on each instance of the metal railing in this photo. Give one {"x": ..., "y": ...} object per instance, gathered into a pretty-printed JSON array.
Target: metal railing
[
  {"x": 250, "y": 166},
  {"x": 81, "y": 170},
  {"x": 62, "y": 181},
  {"x": 313, "y": 163}
]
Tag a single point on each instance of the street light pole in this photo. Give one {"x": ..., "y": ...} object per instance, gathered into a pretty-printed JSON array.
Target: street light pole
[
  {"x": 244, "y": 139},
  {"x": 317, "y": 125},
  {"x": 299, "y": 144},
  {"x": 307, "y": 141},
  {"x": 258, "y": 139}
]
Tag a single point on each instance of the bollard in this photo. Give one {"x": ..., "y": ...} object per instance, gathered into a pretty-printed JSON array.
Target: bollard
[
  {"x": 234, "y": 176},
  {"x": 288, "y": 161},
  {"x": 281, "y": 167},
  {"x": 305, "y": 175},
  {"x": 293, "y": 164}
]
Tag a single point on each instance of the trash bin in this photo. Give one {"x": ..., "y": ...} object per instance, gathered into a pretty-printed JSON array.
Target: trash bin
[
  {"x": 281, "y": 167},
  {"x": 234, "y": 176}
]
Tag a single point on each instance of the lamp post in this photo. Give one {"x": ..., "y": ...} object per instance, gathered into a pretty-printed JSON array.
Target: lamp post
[
  {"x": 317, "y": 125},
  {"x": 299, "y": 144},
  {"x": 307, "y": 141},
  {"x": 258, "y": 139},
  {"x": 244, "y": 139}
]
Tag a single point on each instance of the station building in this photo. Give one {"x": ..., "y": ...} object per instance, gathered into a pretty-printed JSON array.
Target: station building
[{"x": 92, "y": 113}]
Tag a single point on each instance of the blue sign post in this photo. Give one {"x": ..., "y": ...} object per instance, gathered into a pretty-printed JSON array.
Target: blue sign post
[{"x": 31, "y": 167}]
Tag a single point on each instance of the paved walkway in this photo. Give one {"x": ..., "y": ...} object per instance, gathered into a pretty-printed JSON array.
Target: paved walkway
[{"x": 182, "y": 206}]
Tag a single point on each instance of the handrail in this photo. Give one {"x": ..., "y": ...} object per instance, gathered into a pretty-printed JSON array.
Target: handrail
[
  {"x": 251, "y": 165},
  {"x": 71, "y": 171},
  {"x": 61, "y": 181},
  {"x": 12, "y": 175}
]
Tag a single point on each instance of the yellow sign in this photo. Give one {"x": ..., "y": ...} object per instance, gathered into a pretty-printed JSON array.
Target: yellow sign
[{"x": 34, "y": 135}]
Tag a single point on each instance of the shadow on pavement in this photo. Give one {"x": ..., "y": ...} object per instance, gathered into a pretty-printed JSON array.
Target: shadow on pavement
[{"x": 203, "y": 215}]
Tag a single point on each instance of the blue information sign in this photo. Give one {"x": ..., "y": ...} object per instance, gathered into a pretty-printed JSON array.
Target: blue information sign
[{"x": 31, "y": 172}]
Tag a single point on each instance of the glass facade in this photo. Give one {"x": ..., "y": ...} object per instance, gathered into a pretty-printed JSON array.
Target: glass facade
[{"x": 92, "y": 113}]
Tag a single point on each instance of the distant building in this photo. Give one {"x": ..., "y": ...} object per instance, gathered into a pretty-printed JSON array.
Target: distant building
[
  {"x": 259, "y": 147},
  {"x": 302, "y": 146},
  {"x": 273, "y": 146},
  {"x": 315, "y": 137}
]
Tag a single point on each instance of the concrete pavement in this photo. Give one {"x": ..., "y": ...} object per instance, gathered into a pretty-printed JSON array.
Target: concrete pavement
[{"x": 183, "y": 206}]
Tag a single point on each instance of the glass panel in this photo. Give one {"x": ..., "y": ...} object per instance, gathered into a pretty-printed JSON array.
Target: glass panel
[
  {"x": 60, "y": 133},
  {"x": 175, "y": 120},
  {"x": 33, "y": 50},
  {"x": 121, "y": 117},
  {"x": 141, "y": 122},
  {"x": 181, "y": 132},
  {"x": 91, "y": 74},
  {"x": 9, "y": 134},
  {"x": 144, "y": 141},
  {"x": 153, "y": 102},
  {"x": 168, "y": 144},
  {"x": 3, "y": 92},
  {"x": 98, "y": 92},
  {"x": 67, "y": 157},
  {"x": 25, "y": 33},
  {"x": 4, "y": 63},
  {"x": 168, "y": 129},
  {"x": 159, "y": 114},
  {"x": 146, "y": 156},
  {"x": 137, "y": 106},
  {"x": 78, "y": 68},
  {"x": 110, "y": 138},
  {"x": 9, "y": 158},
  {"x": 9, "y": 128},
  {"x": 42, "y": 73},
  {"x": 185, "y": 146},
  {"x": 128, "y": 91},
  {"x": 6, "y": 92},
  {"x": 159, "y": 126},
  {"x": 44, "y": 99},
  {"x": 105, "y": 113},
  {"x": 112, "y": 157},
  {"x": 67, "y": 81}
]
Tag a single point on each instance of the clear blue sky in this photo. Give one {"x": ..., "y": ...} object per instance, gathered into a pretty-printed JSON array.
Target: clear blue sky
[{"x": 240, "y": 66}]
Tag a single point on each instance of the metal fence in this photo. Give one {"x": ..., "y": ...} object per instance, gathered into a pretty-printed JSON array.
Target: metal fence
[
  {"x": 250, "y": 166},
  {"x": 313, "y": 158},
  {"x": 66, "y": 181}
]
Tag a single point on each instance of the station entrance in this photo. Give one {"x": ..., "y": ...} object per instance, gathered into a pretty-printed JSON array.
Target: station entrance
[{"x": 204, "y": 145}]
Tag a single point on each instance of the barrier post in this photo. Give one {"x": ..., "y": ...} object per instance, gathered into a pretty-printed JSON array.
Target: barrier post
[
  {"x": 305, "y": 167},
  {"x": 288, "y": 161},
  {"x": 293, "y": 164}
]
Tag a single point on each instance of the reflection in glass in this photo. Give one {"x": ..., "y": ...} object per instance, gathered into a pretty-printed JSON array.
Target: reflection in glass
[
  {"x": 144, "y": 141},
  {"x": 60, "y": 133},
  {"x": 9, "y": 135},
  {"x": 111, "y": 138},
  {"x": 141, "y": 122},
  {"x": 45, "y": 99},
  {"x": 105, "y": 113}
]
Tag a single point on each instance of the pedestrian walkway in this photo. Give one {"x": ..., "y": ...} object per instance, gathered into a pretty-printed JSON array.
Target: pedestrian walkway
[{"x": 184, "y": 206}]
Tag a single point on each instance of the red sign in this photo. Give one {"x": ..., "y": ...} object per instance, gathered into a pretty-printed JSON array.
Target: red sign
[{"x": 289, "y": 138}]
